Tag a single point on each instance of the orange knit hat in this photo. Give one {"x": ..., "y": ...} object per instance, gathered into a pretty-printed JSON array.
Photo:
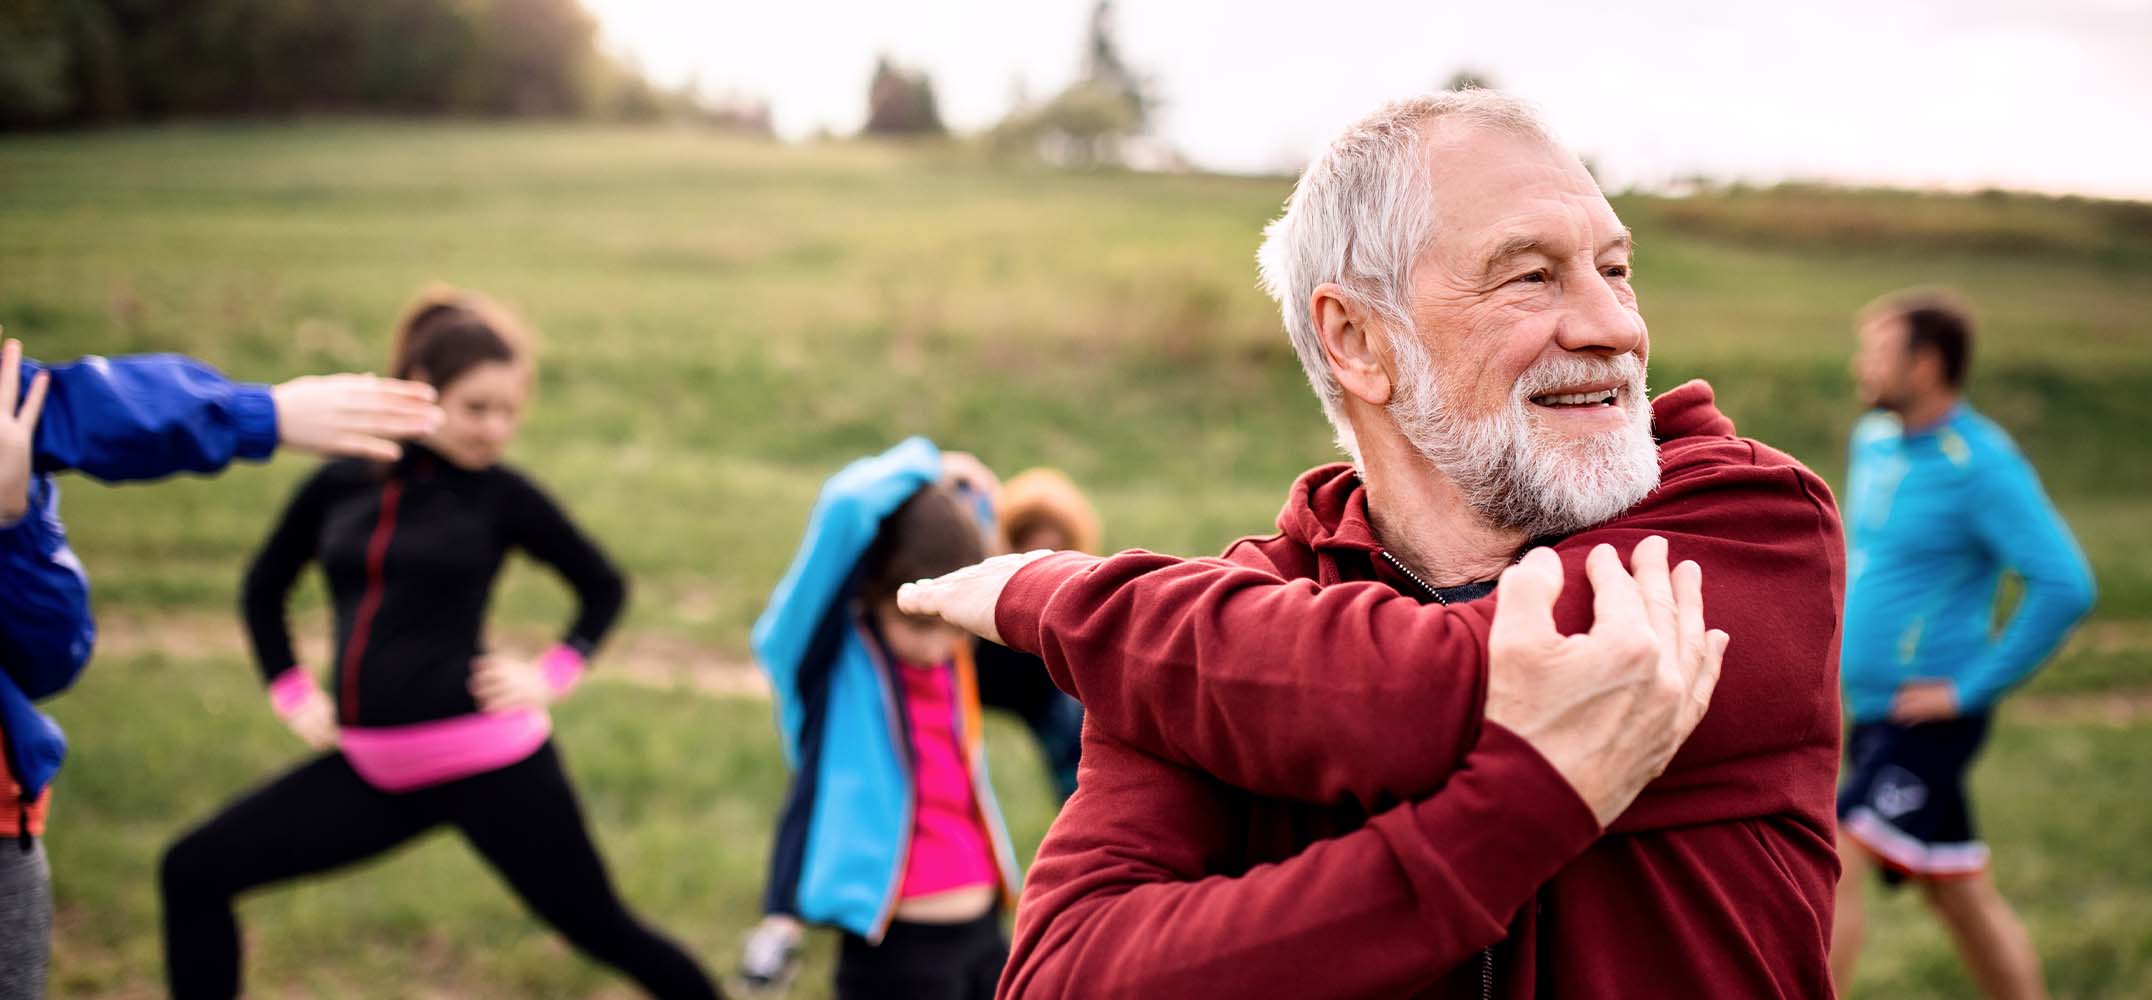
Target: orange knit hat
[{"x": 1044, "y": 497}]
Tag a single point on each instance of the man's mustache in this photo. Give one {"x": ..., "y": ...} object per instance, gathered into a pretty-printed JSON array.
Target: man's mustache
[{"x": 1561, "y": 373}]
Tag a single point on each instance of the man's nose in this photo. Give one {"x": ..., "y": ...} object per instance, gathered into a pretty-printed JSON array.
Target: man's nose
[{"x": 1596, "y": 319}]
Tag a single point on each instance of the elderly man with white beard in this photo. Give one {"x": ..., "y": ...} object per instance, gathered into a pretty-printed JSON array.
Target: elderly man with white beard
[{"x": 1334, "y": 762}]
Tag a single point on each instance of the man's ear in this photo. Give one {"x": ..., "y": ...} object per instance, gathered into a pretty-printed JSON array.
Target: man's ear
[
  {"x": 1357, "y": 358},
  {"x": 1924, "y": 371}
]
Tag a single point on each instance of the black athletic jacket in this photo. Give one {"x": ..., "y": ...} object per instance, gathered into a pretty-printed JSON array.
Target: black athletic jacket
[{"x": 410, "y": 551}]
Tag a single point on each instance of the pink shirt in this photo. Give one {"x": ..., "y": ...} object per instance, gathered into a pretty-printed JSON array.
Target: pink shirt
[{"x": 949, "y": 846}]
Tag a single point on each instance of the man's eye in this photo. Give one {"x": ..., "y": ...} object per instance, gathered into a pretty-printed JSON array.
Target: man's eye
[
  {"x": 1617, "y": 271},
  {"x": 1535, "y": 278}
]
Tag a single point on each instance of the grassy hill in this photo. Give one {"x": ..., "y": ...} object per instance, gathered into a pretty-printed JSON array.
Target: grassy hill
[{"x": 726, "y": 322}]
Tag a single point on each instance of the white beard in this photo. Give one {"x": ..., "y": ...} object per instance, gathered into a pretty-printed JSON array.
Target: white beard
[{"x": 1517, "y": 476}]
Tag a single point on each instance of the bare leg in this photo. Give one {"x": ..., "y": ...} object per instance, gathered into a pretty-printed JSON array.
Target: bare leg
[
  {"x": 1991, "y": 940},
  {"x": 1851, "y": 922}
]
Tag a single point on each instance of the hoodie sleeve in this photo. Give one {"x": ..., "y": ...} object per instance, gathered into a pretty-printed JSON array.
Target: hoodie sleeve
[
  {"x": 1280, "y": 687},
  {"x": 46, "y": 630},
  {"x": 149, "y": 416},
  {"x": 1125, "y": 899},
  {"x": 1353, "y": 692}
]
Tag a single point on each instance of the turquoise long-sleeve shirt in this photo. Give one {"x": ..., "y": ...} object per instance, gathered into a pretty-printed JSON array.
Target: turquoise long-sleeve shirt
[{"x": 1933, "y": 518}]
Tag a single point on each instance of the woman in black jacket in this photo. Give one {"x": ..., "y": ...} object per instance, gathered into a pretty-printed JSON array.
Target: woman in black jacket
[{"x": 424, "y": 728}]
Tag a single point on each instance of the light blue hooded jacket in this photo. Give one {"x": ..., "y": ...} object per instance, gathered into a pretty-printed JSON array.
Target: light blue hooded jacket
[{"x": 841, "y": 841}]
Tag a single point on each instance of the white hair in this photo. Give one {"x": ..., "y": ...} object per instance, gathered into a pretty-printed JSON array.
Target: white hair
[{"x": 1361, "y": 215}]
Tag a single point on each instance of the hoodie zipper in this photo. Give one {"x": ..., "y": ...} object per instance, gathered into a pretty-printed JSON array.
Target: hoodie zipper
[
  {"x": 1415, "y": 577},
  {"x": 1487, "y": 953},
  {"x": 377, "y": 550}
]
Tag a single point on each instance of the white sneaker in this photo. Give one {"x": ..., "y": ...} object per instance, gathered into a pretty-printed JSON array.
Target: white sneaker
[{"x": 770, "y": 959}]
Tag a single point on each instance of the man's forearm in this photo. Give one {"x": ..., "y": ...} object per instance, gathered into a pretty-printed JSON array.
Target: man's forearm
[
  {"x": 1121, "y": 906},
  {"x": 1354, "y": 692},
  {"x": 2042, "y": 620},
  {"x": 1316, "y": 694}
]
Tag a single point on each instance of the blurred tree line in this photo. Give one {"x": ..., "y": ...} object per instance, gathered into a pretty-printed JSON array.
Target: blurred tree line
[
  {"x": 1102, "y": 118},
  {"x": 84, "y": 61}
]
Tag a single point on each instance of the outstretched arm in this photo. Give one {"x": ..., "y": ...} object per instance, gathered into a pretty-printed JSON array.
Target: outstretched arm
[
  {"x": 1354, "y": 692},
  {"x": 149, "y": 416},
  {"x": 1126, "y": 899}
]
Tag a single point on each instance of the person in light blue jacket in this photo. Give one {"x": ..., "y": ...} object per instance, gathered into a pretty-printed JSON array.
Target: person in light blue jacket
[
  {"x": 889, "y": 832},
  {"x": 1939, "y": 504},
  {"x": 119, "y": 420}
]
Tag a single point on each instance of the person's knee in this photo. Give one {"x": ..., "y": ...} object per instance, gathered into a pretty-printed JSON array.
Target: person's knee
[
  {"x": 603, "y": 928},
  {"x": 1960, "y": 898},
  {"x": 188, "y": 868}
]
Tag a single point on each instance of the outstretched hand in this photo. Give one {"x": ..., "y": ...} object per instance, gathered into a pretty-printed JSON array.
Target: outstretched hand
[
  {"x": 966, "y": 598},
  {"x": 18, "y": 431},
  {"x": 356, "y": 416}
]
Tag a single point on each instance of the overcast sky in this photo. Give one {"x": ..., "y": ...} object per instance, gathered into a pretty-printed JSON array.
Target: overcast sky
[{"x": 2051, "y": 95}]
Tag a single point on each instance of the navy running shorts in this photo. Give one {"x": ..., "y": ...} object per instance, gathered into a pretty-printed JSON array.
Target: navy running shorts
[{"x": 1904, "y": 797}]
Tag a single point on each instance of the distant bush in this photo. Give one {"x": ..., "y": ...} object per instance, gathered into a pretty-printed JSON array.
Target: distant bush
[
  {"x": 1100, "y": 119},
  {"x": 900, "y": 101},
  {"x": 1081, "y": 126}
]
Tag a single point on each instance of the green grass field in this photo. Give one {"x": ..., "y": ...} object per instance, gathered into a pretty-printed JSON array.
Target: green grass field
[{"x": 726, "y": 322}]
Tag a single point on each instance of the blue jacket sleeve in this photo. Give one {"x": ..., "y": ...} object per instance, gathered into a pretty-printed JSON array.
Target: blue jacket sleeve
[
  {"x": 45, "y": 626},
  {"x": 149, "y": 416},
  {"x": 845, "y": 519},
  {"x": 2020, "y": 526}
]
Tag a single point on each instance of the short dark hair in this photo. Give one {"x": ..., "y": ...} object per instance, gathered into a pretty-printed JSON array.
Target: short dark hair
[
  {"x": 1934, "y": 321},
  {"x": 929, "y": 534}
]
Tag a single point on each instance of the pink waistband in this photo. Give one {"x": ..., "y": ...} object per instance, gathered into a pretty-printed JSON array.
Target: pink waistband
[{"x": 410, "y": 757}]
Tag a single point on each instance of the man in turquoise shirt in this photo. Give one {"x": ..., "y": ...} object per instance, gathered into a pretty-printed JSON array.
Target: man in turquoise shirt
[{"x": 1938, "y": 504}]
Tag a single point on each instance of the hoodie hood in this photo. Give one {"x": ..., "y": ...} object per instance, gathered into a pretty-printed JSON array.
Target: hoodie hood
[{"x": 1327, "y": 508}]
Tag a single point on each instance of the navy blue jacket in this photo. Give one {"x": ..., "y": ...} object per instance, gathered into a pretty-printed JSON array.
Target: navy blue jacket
[{"x": 116, "y": 419}]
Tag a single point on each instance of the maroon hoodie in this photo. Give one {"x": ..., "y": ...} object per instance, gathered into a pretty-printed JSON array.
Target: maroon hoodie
[{"x": 1288, "y": 788}]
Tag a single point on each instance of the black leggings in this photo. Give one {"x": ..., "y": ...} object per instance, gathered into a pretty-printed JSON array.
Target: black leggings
[
  {"x": 523, "y": 819},
  {"x": 924, "y": 961}
]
